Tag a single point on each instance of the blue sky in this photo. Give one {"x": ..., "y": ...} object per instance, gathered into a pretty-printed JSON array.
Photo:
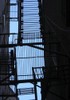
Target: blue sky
[{"x": 31, "y": 29}]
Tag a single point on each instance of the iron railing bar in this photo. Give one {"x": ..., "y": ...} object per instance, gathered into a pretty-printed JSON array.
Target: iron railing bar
[{"x": 29, "y": 57}]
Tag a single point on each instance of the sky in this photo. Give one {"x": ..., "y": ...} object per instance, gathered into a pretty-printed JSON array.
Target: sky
[{"x": 27, "y": 57}]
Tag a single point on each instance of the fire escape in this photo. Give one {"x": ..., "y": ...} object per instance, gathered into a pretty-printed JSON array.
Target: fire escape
[{"x": 30, "y": 37}]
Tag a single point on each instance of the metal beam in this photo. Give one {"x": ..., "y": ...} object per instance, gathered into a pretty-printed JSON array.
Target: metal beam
[
  {"x": 8, "y": 95},
  {"x": 13, "y": 82},
  {"x": 21, "y": 44}
]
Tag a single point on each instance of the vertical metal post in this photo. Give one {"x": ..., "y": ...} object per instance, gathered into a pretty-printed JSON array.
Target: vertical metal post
[
  {"x": 16, "y": 73},
  {"x": 19, "y": 20},
  {"x": 43, "y": 92},
  {"x": 35, "y": 89}
]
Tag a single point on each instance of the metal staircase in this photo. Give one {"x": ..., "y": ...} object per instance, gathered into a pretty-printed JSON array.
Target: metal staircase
[
  {"x": 26, "y": 91},
  {"x": 28, "y": 36}
]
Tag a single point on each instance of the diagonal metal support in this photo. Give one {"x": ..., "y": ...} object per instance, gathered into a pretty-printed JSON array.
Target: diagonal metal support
[{"x": 37, "y": 47}]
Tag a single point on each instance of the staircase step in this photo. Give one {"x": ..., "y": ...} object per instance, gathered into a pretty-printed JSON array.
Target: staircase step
[
  {"x": 25, "y": 91},
  {"x": 12, "y": 4}
]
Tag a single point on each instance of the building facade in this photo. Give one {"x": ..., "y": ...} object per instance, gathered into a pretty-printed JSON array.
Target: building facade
[
  {"x": 55, "y": 26},
  {"x": 5, "y": 90}
]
